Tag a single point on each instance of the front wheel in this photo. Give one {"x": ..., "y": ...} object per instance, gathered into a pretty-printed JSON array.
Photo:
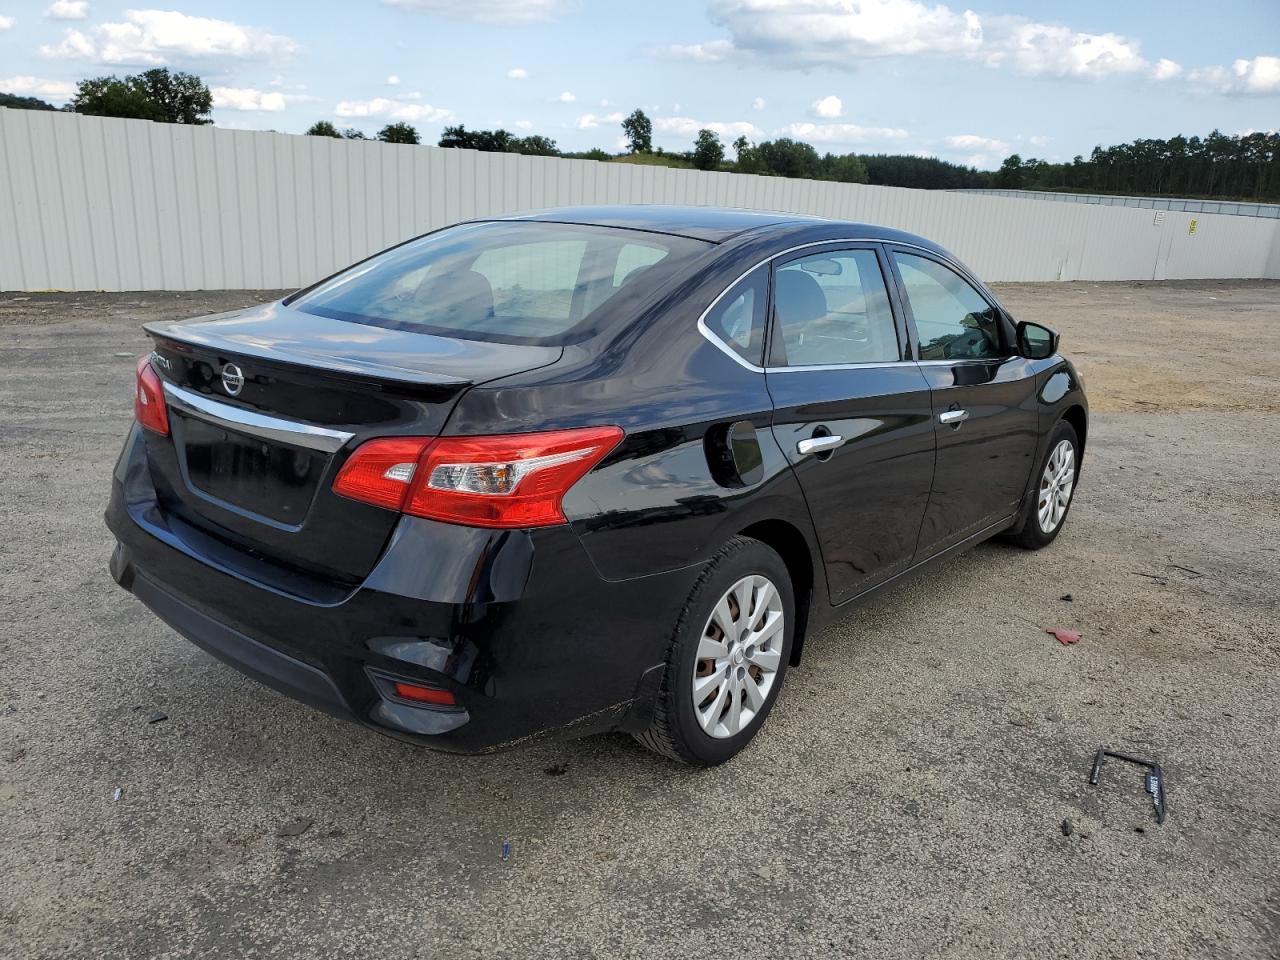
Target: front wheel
[
  {"x": 1046, "y": 509},
  {"x": 727, "y": 658}
]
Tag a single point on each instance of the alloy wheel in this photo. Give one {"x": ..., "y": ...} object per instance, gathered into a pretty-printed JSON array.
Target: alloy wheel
[
  {"x": 739, "y": 656},
  {"x": 1055, "y": 486}
]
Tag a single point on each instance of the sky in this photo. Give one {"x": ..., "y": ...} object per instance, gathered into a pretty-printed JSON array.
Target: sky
[{"x": 971, "y": 85}]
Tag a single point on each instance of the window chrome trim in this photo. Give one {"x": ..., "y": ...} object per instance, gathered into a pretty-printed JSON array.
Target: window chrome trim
[
  {"x": 871, "y": 364},
  {"x": 255, "y": 424},
  {"x": 717, "y": 342}
]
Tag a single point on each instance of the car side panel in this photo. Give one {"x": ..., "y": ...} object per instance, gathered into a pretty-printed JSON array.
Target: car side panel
[{"x": 655, "y": 504}]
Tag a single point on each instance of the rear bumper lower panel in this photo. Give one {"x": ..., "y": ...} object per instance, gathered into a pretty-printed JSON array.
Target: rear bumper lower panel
[{"x": 518, "y": 625}]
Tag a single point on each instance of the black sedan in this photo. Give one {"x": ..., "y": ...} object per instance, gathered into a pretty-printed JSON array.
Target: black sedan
[{"x": 583, "y": 470}]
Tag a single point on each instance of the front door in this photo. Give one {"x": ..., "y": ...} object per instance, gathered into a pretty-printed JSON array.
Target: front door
[
  {"x": 983, "y": 399},
  {"x": 851, "y": 412}
]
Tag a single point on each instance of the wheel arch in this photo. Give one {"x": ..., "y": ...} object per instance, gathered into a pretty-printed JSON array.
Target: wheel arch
[
  {"x": 790, "y": 544},
  {"x": 1079, "y": 421}
]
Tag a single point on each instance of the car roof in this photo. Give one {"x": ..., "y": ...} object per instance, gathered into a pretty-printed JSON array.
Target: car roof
[{"x": 718, "y": 224}]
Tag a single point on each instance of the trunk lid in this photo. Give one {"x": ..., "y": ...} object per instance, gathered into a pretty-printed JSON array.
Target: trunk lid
[{"x": 266, "y": 403}]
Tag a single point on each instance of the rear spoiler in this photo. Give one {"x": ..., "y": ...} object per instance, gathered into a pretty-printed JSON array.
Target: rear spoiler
[{"x": 175, "y": 334}]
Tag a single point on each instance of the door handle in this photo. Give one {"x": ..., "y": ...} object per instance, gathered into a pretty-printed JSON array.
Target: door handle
[
  {"x": 954, "y": 417},
  {"x": 821, "y": 444}
]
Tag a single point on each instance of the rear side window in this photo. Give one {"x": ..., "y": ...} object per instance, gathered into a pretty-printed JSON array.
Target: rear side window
[
  {"x": 953, "y": 320},
  {"x": 833, "y": 307},
  {"x": 738, "y": 318},
  {"x": 509, "y": 281}
]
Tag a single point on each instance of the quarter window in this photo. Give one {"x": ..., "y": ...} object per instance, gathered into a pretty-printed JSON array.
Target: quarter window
[
  {"x": 738, "y": 319},
  {"x": 953, "y": 320},
  {"x": 833, "y": 308}
]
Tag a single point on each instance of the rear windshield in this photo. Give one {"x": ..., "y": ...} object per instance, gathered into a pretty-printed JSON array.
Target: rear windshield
[{"x": 510, "y": 281}]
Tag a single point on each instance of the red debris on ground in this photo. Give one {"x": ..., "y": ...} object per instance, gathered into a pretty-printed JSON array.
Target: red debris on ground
[{"x": 1065, "y": 637}]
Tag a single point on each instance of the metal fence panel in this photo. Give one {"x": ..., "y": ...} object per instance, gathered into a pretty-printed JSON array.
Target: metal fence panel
[{"x": 95, "y": 203}]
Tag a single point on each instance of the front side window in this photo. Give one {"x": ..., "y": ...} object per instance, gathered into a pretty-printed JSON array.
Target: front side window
[
  {"x": 833, "y": 308},
  {"x": 510, "y": 281},
  {"x": 737, "y": 319},
  {"x": 953, "y": 320}
]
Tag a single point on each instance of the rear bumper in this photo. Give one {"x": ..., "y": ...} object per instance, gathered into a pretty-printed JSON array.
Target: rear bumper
[{"x": 518, "y": 625}]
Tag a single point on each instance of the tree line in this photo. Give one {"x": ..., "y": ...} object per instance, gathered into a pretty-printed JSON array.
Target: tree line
[{"x": 1246, "y": 166}]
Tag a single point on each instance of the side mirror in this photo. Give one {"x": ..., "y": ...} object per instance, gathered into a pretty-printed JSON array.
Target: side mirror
[{"x": 1036, "y": 342}]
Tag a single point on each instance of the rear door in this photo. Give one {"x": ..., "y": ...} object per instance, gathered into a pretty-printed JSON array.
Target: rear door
[
  {"x": 983, "y": 399},
  {"x": 851, "y": 411}
]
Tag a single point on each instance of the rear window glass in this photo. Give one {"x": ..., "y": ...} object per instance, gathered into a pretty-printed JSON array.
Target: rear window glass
[{"x": 510, "y": 281}]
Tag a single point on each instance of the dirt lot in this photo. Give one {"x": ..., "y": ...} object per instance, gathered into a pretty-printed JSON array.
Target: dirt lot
[{"x": 906, "y": 799}]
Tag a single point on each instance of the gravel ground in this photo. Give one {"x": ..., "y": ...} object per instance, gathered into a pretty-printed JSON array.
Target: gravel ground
[{"x": 906, "y": 799}]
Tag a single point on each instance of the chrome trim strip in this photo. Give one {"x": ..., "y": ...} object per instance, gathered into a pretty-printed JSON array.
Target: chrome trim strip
[
  {"x": 735, "y": 356},
  {"x": 255, "y": 424},
  {"x": 872, "y": 364}
]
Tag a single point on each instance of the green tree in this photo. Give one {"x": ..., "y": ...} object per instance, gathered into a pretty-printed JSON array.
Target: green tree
[
  {"x": 537, "y": 146},
  {"x": 24, "y": 103},
  {"x": 1009, "y": 176},
  {"x": 497, "y": 141},
  {"x": 351, "y": 133},
  {"x": 785, "y": 157},
  {"x": 398, "y": 133},
  {"x": 323, "y": 128},
  {"x": 708, "y": 151},
  {"x": 153, "y": 94},
  {"x": 848, "y": 168},
  {"x": 639, "y": 131}
]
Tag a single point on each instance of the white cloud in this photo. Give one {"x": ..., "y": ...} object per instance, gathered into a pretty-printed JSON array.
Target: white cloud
[
  {"x": 6, "y": 23},
  {"x": 829, "y": 108},
  {"x": 393, "y": 81},
  {"x": 524, "y": 124},
  {"x": 1041, "y": 48},
  {"x": 157, "y": 36},
  {"x": 1038, "y": 141},
  {"x": 566, "y": 97},
  {"x": 843, "y": 33},
  {"x": 589, "y": 121},
  {"x": 842, "y": 132},
  {"x": 518, "y": 73},
  {"x": 967, "y": 141},
  {"x": 392, "y": 110},
  {"x": 68, "y": 10},
  {"x": 840, "y": 32},
  {"x": 246, "y": 98},
  {"x": 491, "y": 11},
  {"x": 74, "y": 45},
  {"x": 38, "y": 87},
  {"x": 1261, "y": 75},
  {"x": 757, "y": 103},
  {"x": 713, "y": 51},
  {"x": 688, "y": 127}
]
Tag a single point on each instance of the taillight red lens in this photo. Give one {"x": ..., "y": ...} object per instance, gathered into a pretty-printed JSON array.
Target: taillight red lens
[
  {"x": 421, "y": 694},
  {"x": 148, "y": 399},
  {"x": 513, "y": 480},
  {"x": 381, "y": 471}
]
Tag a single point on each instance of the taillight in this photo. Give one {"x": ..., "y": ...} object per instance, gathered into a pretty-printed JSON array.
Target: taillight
[
  {"x": 514, "y": 480},
  {"x": 148, "y": 399},
  {"x": 420, "y": 694}
]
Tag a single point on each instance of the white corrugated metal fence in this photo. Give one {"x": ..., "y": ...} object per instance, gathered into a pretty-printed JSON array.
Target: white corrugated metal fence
[{"x": 90, "y": 203}]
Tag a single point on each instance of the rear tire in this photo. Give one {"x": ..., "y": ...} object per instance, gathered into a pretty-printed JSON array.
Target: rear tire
[
  {"x": 1045, "y": 512},
  {"x": 729, "y": 653}
]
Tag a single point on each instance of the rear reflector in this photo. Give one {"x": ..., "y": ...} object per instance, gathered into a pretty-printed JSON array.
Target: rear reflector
[
  {"x": 148, "y": 399},
  {"x": 419, "y": 694},
  {"x": 514, "y": 480}
]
